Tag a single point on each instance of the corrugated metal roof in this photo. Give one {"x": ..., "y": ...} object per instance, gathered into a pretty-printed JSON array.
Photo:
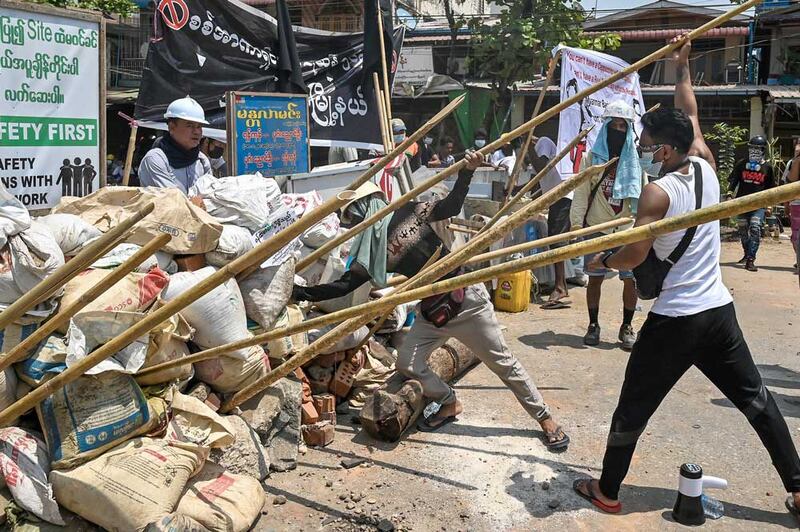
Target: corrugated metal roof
[
  {"x": 663, "y": 35},
  {"x": 785, "y": 94}
]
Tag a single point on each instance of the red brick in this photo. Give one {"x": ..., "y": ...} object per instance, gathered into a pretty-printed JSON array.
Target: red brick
[
  {"x": 319, "y": 434},
  {"x": 325, "y": 403},
  {"x": 346, "y": 373},
  {"x": 190, "y": 263},
  {"x": 309, "y": 414}
]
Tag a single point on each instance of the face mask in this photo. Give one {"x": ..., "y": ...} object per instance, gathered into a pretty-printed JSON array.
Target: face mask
[
  {"x": 616, "y": 140},
  {"x": 480, "y": 143},
  {"x": 217, "y": 163},
  {"x": 399, "y": 138},
  {"x": 216, "y": 153},
  {"x": 428, "y": 141},
  {"x": 755, "y": 154},
  {"x": 649, "y": 166}
]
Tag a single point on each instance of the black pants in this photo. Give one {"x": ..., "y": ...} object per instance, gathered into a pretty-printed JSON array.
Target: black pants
[{"x": 666, "y": 348}]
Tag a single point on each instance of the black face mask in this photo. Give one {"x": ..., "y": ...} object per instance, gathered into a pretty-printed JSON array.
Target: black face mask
[
  {"x": 616, "y": 140},
  {"x": 216, "y": 153}
]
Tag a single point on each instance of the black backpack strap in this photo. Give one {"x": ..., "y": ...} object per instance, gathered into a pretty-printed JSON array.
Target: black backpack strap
[
  {"x": 592, "y": 195},
  {"x": 683, "y": 245}
]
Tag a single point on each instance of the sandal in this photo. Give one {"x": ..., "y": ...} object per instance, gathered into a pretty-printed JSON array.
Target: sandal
[
  {"x": 555, "y": 304},
  {"x": 792, "y": 507},
  {"x": 556, "y": 440},
  {"x": 424, "y": 424},
  {"x": 592, "y": 498}
]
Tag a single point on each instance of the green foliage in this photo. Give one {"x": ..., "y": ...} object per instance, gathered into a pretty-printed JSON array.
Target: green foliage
[
  {"x": 517, "y": 45},
  {"x": 727, "y": 137},
  {"x": 774, "y": 159},
  {"x": 123, "y": 8}
]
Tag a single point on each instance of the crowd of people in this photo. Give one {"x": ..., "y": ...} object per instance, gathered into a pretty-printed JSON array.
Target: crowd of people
[{"x": 666, "y": 170}]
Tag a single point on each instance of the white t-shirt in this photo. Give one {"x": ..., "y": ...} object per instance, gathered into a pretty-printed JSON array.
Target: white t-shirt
[
  {"x": 545, "y": 147},
  {"x": 694, "y": 284},
  {"x": 496, "y": 157},
  {"x": 507, "y": 163}
]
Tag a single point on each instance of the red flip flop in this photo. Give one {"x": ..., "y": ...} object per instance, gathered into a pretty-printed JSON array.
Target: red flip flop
[{"x": 592, "y": 498}]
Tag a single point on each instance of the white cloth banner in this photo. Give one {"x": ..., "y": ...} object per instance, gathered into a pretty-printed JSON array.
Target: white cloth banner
[{"x": 581, "y": 69}]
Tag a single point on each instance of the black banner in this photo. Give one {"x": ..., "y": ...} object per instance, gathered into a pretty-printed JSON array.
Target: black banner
[{"x": 205, "y": 48}]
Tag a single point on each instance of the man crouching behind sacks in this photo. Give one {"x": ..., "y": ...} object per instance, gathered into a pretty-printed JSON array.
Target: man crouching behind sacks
[
  {"x": 402, "y": 243},
  {"x": 175, "y": 160}
]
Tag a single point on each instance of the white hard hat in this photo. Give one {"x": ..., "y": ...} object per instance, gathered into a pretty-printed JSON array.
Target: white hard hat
[
  {"x": 619, "y": 109},
  {"x": 187, "y": 109}
]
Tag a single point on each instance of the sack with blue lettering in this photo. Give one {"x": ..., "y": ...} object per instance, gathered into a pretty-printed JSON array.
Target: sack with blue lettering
[
  {"x": 16, "y": 332},
  {"x": 95, "y": 413},
  {"x": 47, "y": 361}
]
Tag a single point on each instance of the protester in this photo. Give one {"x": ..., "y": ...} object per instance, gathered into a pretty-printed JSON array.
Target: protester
[
  {"x": 341, "y": 154},
  {"x": 479, "y": 138},
  {"x": 748, "y": 176},
  {"x": 399, "y": 135},
  {"x": 215, "y": 151},
  {"x": 426, "y": 152},
  {"x": 792, "y": 175},
  {"x": 402, "y": 243},
  {"x": 557, "y": 215},
  {"x": 693, "y": 321},
  {"x": 610, "y": 196},
  {"x": 509, "y": 159},
  {"x": 444, "y": 155},
  {"x": 175, "y": 160}
]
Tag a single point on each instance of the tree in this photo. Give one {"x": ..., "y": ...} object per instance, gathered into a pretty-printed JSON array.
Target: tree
[
  {"x": 122, "y": 8},
  {"x": 518, "y": 44},
  {"x": 454, "y": 24},
  {"x": 727, "y": 138}
]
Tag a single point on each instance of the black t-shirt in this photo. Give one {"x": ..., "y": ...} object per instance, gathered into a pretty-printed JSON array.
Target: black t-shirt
[{"x": 746, "y": 182}]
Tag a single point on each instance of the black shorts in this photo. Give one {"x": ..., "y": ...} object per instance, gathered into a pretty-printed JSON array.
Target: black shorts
[{"x": 558, "y": 219}]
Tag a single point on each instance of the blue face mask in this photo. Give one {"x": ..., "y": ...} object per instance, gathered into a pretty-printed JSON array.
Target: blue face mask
[
  {"x": 649, "y": 166},
  {"x": 399, "y": 138}
]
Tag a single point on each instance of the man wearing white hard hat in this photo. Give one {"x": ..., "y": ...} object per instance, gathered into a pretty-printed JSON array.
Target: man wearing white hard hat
[
  {"x": 175, "y": 160},
  {"x": 610, "y": 196}
]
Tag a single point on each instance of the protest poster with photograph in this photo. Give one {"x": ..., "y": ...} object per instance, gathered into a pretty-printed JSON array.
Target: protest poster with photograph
[
  {"x": 581, "y": 69},
  {"x": 52, "y": 119}
]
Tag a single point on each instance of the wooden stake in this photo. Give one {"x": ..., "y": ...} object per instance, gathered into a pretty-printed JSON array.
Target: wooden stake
[
  {"x": 381, "y": 113},
  {"x": 512, "y": 179},
  {"x": 89, "y": 254},
  {"x": 65, "y": 313},
  {"x": 129, "y": 155},
  {"x": 535, "y": 179}
]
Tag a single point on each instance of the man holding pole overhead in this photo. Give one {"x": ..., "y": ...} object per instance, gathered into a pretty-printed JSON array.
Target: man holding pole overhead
[{"x": 693, "y": 321}]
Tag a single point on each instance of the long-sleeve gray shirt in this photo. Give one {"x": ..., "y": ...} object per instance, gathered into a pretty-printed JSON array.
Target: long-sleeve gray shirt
[{"x": 155, "y": 171}]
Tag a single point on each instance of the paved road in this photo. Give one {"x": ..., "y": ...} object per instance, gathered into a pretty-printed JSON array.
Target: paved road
[{"x": 485, "y": 472}]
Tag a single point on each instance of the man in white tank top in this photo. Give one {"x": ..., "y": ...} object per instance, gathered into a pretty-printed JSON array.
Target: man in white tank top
[{"x": 693, "y": 321}]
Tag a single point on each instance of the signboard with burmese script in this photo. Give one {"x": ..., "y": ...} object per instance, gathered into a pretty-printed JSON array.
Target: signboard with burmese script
[{"x": 51, "y": 103}]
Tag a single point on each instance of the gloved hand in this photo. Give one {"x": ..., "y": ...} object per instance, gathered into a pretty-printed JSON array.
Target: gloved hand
[{"x": 299, "y": 293}]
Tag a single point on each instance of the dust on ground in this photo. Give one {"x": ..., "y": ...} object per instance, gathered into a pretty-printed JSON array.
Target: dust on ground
[{"x": 490, "y": 471}]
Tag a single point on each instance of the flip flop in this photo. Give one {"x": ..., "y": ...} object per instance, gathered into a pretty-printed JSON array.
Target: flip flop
[
  {"x": 792, "y": 507},
  {"x": 556, "y": 304},
  {"x": 424, "y": 425},
  {"x": 556, "y": 445},
  {"x": 592, "y": 498}
]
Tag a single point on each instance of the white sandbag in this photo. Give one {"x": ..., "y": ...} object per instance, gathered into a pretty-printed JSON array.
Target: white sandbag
[
  {"x": 234, "y": 242},
  {"x": 241, "y": 200},
  {"x": 93, "y": 414},
  {"x": 30, "y": 257},
  {"x": 167, "y": 342},
  {"x": 222, "y": 501},
  {"x": 279, "y": 348},
  {"x": 218, "y": 317},
  {"x": 130, "y": 486},
  {"x": 8, "y": 388},
  {"x": 348, "y": 341},
  {"x": 227, "y": 374},
  {"x": 175, "y": 523},
  {"x": 89, "y": 330},
  {"x": 194, "y": 422},
  {"x": 70, "y": 231},
  {"x": 266, "y": 292},
  {"x": 47, "y": 360},
  {"x": 166, "y": 262},
  {"x": 133, "y": 293},
  {"x": 321, "y": 233},
  {"x": 25, "y": 466},
  {"x": 16, "y": 332},
  {"x": 122, "y": 252},
  {"x": 14, "y": 217}
]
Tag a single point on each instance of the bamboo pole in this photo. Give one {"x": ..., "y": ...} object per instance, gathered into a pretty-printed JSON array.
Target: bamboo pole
[
  {"x": 384, "y": 68},
  {"x": 543, "y": 117},
  {"x": 89, "y": 254},
  {"x": 512, "y": 179},
  {"x": 248, "y": 261},
  {"x": 126, "y": 174},
  {"x": 381, "y": 113},
  {"x": 387, "y": 125},
  {"x": 64, "y": 314},
  {"x": 430, "y": 274},
  {"x": 535, "y": 179}
]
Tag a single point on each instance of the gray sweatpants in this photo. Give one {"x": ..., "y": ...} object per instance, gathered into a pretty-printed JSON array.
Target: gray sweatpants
[{"x": 476, "y": 327}]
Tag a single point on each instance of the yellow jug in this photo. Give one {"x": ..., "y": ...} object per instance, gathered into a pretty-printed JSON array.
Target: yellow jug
[{"x": 513, "y": 292}]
